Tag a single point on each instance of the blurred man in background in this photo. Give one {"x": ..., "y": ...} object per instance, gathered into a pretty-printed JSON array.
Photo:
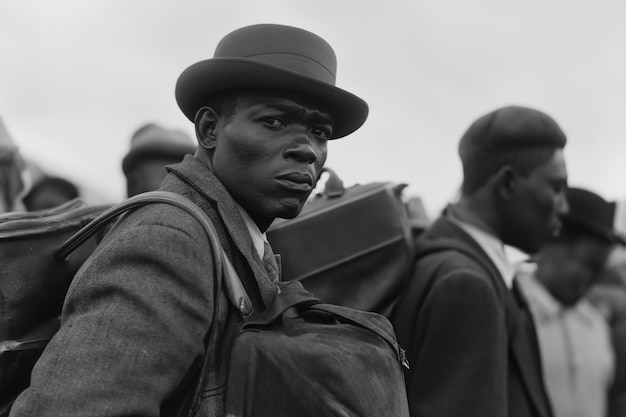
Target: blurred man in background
[
  {"x": 50, "y": 192},
  {"x": 470, "y": 339},
  {"x": 152, "y": 147},
  {"x": 608, "y": 295},
  {"x": 574, "y": 337}
]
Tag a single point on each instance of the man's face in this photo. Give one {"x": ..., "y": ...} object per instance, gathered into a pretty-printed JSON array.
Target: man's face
[
  {"x": 269, "y": 154},
  {"x": 538, "y": 201},
  {"x": 147, "y": 175},
  {"x": 570, "y": 269}
]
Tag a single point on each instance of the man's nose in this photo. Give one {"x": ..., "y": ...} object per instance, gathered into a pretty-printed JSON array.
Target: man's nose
[
  {"x": 563, "y": 205},
  {"x": 302, "y": 149}
]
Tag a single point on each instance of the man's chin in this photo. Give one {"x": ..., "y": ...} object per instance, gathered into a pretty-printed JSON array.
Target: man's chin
[
  {"x": 289, "y": 210},
  {"x": 569, "y": 301},
  {"x": 529, "y": 248}
]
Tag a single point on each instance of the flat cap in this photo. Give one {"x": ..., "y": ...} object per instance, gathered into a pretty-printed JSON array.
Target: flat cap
[{"x": 510, "y": 128}]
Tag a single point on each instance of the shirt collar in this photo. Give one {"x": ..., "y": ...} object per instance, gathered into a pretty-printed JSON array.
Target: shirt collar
[
  {"x": 258, "y": 238},
  {"x": 544, "y": 305},
  {"x": 493, "y": 247}
]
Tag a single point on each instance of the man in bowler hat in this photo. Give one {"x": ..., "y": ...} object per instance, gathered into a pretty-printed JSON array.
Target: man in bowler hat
[
  {"x": 135, "y": 319},
  {"x": 469, "y": 336},
  {"x": 574, "y": 336}
]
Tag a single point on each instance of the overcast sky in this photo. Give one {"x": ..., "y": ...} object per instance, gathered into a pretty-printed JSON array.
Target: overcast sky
[{"x": 78, "y": 77}]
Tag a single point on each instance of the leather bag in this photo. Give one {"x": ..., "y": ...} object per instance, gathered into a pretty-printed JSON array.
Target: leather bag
[
  {"x": 349, "y": 246},
  {"x": 40, "y": 253},
  {"x": 33, "y": 283}
]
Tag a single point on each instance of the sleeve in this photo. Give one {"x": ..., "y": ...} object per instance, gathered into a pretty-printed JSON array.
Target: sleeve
[
  {"x": 461, "y": 366},
  {"x": 133, "y": 322}
]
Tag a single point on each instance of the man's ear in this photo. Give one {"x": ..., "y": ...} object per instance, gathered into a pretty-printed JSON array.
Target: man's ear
[
  {"x": 506, "y": 181},
  {"x": 206, "y": 121}
]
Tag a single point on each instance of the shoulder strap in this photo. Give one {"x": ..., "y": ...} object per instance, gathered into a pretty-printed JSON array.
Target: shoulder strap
[
  {"x": 136, "y": 201},
  {"x": 224, "y": 271},
  {"x": 223, "y": 266}
]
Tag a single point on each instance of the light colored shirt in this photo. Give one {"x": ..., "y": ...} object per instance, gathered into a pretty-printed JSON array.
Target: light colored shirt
[
  {"x": 493, "y": 247},
  {"x": 258, "y": 238},
  {"x": 576, "y": 350}
]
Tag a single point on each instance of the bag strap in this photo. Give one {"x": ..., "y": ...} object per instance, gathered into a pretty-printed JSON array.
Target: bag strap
[
  {"x": 364, "y": 321},
  {"x": 224, "y": 271},
  {"x": 292, "y": 294},
  {"x": 234, "y": 288},
  {"x": 151, "y": 197}
]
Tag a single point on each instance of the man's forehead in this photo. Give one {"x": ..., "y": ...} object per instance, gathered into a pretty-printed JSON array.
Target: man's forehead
[
  {"x": 285, "y": 102},
  {"x": 554, "y": 168}
]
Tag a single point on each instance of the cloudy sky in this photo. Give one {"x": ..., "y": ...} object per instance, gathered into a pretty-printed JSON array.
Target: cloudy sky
[{"x": 78, "y": 77}]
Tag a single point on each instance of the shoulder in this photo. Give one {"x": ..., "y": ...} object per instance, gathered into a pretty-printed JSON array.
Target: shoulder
[
  {"x": 449, "y": 277},
  {"x": 451, "y": 262},
  {"x": 446, "y": 279},
  {"x": 159, "y": 220}
]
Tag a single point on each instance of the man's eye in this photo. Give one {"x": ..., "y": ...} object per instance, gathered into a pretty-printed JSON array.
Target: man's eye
[
  {"x": 272, "y": 121},
  {"x": 560, "y": 187},
  {"x": 322, "y": 133}
]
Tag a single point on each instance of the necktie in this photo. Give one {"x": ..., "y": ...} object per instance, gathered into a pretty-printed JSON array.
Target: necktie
[{"x": 269, "y": 262}]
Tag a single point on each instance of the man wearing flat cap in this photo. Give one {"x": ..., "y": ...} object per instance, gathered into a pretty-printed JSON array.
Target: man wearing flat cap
[
  {"x": 574, "y": 337},
  {"x": 469, "y": 335},
  {"x": 135, "y": 319}
]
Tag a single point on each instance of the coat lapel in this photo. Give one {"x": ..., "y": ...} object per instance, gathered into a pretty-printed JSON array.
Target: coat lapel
[
  {"x": 521, "y": 332},
  {"x": 524, "y": 349},
  {"x": 206, "y": 183}
]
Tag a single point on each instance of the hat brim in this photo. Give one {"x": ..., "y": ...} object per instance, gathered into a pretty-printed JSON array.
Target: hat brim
[
  {"x": 609, "y": 235},
  {"x": 206, "y": 78}
]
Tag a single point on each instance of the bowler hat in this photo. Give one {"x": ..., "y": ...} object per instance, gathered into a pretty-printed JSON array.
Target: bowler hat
[
  {"x": 592, "y": 213},
  {"x": 272, "y": 57},
  {"x": 152, "y": 140},
  {"x": 510, "y": 128}
]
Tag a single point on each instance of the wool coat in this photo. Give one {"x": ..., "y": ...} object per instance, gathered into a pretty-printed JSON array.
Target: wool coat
[
  {"x": 469, "y": 339},
  {"x": 137, "y": 314}
]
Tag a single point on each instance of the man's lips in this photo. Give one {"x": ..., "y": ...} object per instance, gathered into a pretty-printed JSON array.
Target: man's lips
[
  {"x": 556, "y": 228},
  {"x": 297, "y": 181}
]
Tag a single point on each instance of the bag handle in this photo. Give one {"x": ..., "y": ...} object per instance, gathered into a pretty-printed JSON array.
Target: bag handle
[{"x": 333, "y": 188}]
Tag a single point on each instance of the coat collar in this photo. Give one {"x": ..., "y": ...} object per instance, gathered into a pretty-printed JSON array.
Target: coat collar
[
  {"x": 490, "y": 244},
  {"x": 203, "y": 180},
  {"x": 446, "y": 235}
]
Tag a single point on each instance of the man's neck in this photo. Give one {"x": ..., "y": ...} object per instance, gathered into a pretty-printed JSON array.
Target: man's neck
[{"x": 465, "y": 211}]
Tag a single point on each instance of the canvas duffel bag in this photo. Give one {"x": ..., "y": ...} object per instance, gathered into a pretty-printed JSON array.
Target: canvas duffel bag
[{"x": 302, "y": 357}]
